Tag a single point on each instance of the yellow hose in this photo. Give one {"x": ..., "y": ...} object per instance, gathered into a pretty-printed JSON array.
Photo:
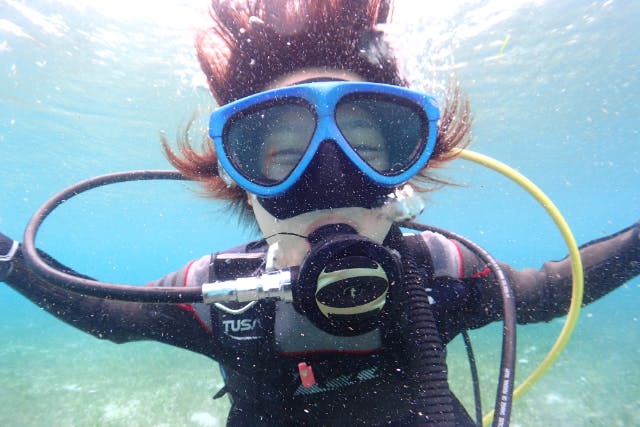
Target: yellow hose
[{"x": 576, "y": 266}]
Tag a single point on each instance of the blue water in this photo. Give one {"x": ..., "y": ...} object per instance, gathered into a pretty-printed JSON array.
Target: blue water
[{"x": 87, "y": 87}]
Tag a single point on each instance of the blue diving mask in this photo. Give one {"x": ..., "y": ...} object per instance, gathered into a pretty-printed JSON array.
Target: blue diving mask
[{"x": 266, "y": 142}]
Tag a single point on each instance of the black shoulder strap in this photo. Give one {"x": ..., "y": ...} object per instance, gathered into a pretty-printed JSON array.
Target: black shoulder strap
[{"x": 234, "y": 263}]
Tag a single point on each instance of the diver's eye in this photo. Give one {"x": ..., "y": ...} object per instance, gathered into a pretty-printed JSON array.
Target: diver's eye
[{"x": 278, "y": 163}]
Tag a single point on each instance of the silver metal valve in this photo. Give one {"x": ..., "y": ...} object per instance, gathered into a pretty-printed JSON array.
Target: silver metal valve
[{"x": 275, "y": 285}]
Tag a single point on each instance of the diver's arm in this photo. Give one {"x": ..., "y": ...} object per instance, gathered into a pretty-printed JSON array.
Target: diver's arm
[
  {"x": 117, "y": 321},
  {"x": 466, "y": 295},
  {"x": 544, "y": 294}
]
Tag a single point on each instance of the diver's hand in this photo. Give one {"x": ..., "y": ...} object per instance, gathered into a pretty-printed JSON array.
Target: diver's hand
[{"x": 8, "y": 249}]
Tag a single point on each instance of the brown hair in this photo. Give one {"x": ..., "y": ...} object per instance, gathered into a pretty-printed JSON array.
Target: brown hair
[{"x": 251, "y": 43}]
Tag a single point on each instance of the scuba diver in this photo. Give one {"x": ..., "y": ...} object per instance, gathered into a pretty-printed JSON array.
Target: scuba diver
[{"x": 319, "y": 140}]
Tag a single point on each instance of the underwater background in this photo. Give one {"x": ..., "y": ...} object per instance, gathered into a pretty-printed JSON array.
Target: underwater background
[{"x": 88, "y": 86}]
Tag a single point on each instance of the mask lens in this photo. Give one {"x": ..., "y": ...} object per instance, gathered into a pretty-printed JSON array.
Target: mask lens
[
  {"x": 387, "y": 132},
  {"x": 267, "y": 142}
]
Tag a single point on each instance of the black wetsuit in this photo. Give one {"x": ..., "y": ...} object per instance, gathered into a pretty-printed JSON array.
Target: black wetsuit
[{"x": 357, "y": 379}]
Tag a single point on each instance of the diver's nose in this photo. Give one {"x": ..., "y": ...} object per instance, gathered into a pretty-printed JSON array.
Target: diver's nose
[
  {"x": 330, "y": 181},
  {"x": 330, "y": 168}
]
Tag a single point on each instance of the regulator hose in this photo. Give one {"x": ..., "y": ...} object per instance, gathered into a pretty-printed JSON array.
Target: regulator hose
[
  {"x": 504, "y": 394},
  {"x": 95, "y": 288},
  {"x": 502, "y": 410},
  {"x": 427, "y": 369},
  {"x": 427, "y": 363}
]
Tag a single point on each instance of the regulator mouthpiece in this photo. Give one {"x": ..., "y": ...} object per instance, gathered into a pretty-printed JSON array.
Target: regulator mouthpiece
[{"x": 343, "y": 282}]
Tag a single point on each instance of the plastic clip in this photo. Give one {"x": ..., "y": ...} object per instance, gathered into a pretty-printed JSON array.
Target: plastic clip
[{"x": 306, "y": 375}]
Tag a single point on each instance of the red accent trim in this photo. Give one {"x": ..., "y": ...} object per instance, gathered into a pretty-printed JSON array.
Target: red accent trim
[
  {"x": 460, "y": 257},
  {"x": 186, "y": 273},
  {"x": 312, "y": 352},
  {"x": 189, "y": 308},
  {"x": 482, "y": 273}
]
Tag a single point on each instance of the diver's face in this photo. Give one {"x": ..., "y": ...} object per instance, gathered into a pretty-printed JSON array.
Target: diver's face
[{"x": 282, "y": 148}]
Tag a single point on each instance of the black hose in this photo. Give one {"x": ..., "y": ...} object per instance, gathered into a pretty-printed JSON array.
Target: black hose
[
  {"x": 474, "y": 377},
  {"x": 92, "y": 287},
  {"x": 427, "y": 369},
  {"x": 427, "y": 363},
  {"x": 504, "y": 394}
]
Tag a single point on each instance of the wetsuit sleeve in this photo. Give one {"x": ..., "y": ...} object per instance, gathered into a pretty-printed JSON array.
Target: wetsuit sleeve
[
  {"x": 117, "y": 321},
  {"x": 465, "y": 294},
  {"x": 544, "y": 294}
]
